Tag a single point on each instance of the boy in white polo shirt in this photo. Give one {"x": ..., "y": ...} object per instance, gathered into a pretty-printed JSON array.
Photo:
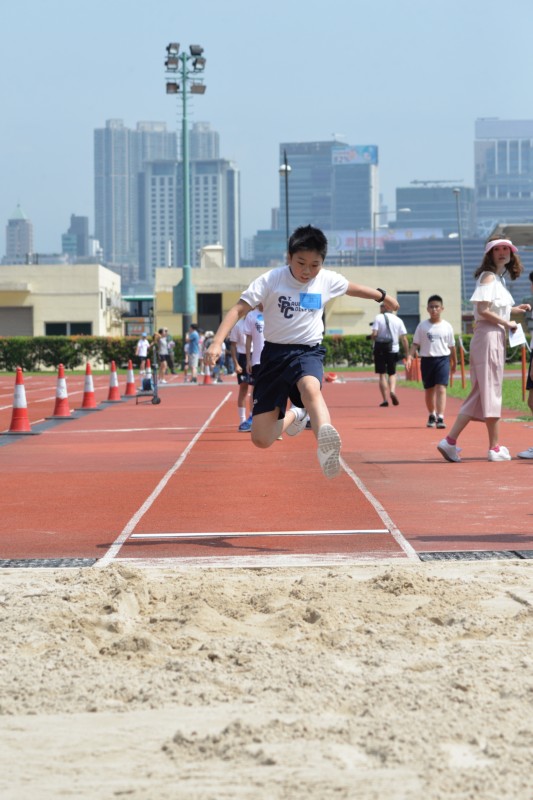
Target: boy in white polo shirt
[{"x": 435, "y": 341}]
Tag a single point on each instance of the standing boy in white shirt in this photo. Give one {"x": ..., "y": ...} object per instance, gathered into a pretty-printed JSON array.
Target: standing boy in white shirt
[
  {"x": 292, "y": 363},
  {"x": 435, "y": 341}
]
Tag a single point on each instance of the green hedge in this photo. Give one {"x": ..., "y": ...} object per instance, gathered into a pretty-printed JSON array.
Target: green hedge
[
  {"x": 44, "y": 352},
  {"x": 34, "y": 353}
]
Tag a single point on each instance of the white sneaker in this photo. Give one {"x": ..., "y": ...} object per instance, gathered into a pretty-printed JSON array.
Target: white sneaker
[
  {"x": 526, "y": 453},
  {"x": 449, "y": 451},
  {"x": 329, "y": 448},
  {"x": 502, "y": 454},
  {"x": 299, "y": 423}
]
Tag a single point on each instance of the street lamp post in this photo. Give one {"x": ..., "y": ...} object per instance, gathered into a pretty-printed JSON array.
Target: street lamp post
[
  {"x": 375, "y": 215},
  {"x": 284, "y": 170},
  {"x": 457, "y": 193},
  {"x": 189, "y": 67}
]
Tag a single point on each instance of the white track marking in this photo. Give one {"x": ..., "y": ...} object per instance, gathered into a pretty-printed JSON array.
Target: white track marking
[
  {"x": 130, "y": 527},
  {"x": 232, "y": 534},
  {"x": 263, "y": 561},
  {"x": 395, "y": 532}
]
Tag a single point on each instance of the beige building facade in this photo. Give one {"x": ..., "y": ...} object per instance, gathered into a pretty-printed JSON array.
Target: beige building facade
[
  {"x": 218, "y": 289},
  {"x": 60, "y": 300}
]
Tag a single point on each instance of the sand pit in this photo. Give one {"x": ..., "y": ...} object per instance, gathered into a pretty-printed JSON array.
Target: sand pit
[{"x": 401, "y": 680}]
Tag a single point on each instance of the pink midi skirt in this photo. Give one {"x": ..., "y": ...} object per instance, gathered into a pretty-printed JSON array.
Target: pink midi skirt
[{"x": 487, "y": 361}]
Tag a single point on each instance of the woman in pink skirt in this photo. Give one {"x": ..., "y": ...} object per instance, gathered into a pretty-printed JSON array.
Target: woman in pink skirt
[{"x": 493, "y": 306}]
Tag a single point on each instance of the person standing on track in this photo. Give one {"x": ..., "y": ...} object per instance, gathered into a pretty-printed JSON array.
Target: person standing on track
[
  {"x": 388, "y": 331},
  {"x": 435, "y": 340},
  {"x": 141, "y": 351},
  {"x": 493, "y": 306},
  {"x": 292, "y": 361}
]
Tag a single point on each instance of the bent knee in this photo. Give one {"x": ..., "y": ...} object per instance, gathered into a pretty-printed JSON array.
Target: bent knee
[{"x": 260, "y": 440}]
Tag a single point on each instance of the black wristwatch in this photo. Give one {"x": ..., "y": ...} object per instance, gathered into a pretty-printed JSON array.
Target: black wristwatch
[{"x": 383, "y": 295}]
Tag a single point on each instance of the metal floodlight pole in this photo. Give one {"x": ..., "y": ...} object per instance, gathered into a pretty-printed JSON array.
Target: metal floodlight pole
[
  {"x": 188, "y": 297},
  {"x": 284, "y": 170},
  {"x": 179, "y": 63},
  {"x": 457, "y": 193}
]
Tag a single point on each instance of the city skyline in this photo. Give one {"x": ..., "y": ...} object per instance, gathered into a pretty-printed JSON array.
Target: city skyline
[{"x": 411, "y": 79}]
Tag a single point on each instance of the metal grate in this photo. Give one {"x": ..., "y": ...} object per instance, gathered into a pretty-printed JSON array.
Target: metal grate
[{"x": 50, "y": 563}]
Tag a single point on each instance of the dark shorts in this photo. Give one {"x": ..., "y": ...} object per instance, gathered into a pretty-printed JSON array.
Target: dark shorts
[
  {"x": 529, "y": 384},
  {"x": 281, "y": 367},
  {"x": 435, "y": 371},
  {"x": 384, "y": 361},
  {"x": 243, "y": 377}
]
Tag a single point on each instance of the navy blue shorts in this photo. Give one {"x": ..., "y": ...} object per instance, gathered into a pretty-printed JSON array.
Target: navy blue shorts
[
  {"x": 435, "y": 371},
  {"x": 243, "y": 377},
  {"x": 281, "y": 367}
]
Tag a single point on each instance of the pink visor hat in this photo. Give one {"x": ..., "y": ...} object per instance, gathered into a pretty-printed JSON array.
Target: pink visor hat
[{"x": 495, "y": 242}]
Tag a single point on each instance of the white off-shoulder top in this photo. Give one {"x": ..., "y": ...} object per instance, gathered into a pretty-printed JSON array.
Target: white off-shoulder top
[{"x": 494, "y": 292}]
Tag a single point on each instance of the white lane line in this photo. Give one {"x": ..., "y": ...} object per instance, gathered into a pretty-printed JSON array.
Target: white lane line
[
  {"x": 130, "y": 527},
  {"x": 395, "y": 532},
  {"x": 263, "y": 561},
  {"x": 232, "y": 534}
]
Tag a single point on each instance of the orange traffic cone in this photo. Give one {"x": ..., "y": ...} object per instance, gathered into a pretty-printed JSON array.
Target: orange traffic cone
[
  {"x": 130, "y": 382},
  {"x": 207, "y": 376},
  {"x": 20, "y": 422},
  {"x": 89, "y": 401},
  {"x": 61, "y": 408},
  {"x": 114, "y": 391}
]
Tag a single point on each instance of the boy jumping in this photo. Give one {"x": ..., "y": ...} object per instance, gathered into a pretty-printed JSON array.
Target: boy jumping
[{"x": 292, "y": 362}]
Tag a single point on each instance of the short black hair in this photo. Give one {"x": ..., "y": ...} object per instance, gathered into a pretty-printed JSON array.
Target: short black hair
[
  {"x": 435, "y": 298},
  {"x": 531, "y": 277},
  {"x": 194, "y": 326},
  {"x": 308, "y": 238}
]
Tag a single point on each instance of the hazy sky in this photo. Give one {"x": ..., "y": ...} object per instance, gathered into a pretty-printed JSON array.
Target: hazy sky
[{"x": 410, "y": 76}]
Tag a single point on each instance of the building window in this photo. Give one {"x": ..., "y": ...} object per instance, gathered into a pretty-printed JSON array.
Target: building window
[
  {"x": 68, "y": 328},
  {"x": 409, "y": 309}
]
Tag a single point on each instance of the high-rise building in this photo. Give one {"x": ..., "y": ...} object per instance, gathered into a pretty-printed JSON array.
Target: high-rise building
[
  {"x": 19, "y": 238},
  {"x": 75, "y": 242},
  {"x": 214, "y": 213},
  {"x": 503, "y": 152},
  {"x": 119, "y": 156},
  {"x": 435, "y": 205},
  {"x": 204, "y": 142},
  {"x": 158, "y": 229},
  {"x": 331, "y": 184}
]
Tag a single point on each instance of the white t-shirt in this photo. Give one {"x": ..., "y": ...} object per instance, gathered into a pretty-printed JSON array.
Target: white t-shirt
[
  {"x": 143, "y": 345},
  {"x": 238, "y": 336},
  {"x": 494, "y": 292},
  {"x": 397, "y": 329},
  {"x": 254, "y": 325},
  {"x": 434, "y": 339},
  {"x": 293, "y": 310}
]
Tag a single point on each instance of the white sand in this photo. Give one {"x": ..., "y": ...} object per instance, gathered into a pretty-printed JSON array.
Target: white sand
[{"x": 384, "y": 681}]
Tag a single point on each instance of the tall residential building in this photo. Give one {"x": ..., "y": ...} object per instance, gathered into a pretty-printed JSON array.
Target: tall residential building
[
  {"x": 503, "y": 152},
  {"x": 119, "y": 156},
  {"x": 331, "y": 184},
  {"x": 75, "y": 242},
  {"x": 19, "y": 238},
  {"x": 436, "y": 205},
  {"x": 204, "y": 142},
  {"x": 214, "y": 213}
]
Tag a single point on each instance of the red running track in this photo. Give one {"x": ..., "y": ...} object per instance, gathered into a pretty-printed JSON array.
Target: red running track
[{"x": 178, "y": 481}]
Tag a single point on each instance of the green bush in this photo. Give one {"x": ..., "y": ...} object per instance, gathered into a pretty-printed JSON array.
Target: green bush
[{"x": 38, "y": 352}]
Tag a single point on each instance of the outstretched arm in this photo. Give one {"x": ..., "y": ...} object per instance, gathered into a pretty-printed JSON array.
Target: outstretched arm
[
  {"x": 240, "y": 309},
  {"x": 367, "y": 293}
]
